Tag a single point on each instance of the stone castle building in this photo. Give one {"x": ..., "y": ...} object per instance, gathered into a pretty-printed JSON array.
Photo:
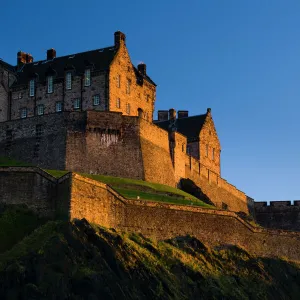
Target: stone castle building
[{"x": 92, "y": 112}]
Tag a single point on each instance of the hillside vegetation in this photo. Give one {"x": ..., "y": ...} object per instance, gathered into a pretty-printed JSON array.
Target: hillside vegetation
[{"x": 77, "y": 260}]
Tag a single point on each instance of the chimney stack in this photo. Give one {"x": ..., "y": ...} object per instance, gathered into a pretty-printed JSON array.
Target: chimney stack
[
  {"x": 51, "y": 53},
  {"x": 29, "y": 58},
  {"x": 163, "y": 115},
  {"x": 142, "y": 68},
  {"x": 172, "y": 114},
  {"x": 21, "y": 58},
  {"x": 208, "y": 110},
  {"x": 183, "y": 114},
  {"x": 120, "y": 39}
]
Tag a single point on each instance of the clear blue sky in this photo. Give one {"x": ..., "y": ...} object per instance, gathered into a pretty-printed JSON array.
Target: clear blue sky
[{"x": 239, "y": 57}]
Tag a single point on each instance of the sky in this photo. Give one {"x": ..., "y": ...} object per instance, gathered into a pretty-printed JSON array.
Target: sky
[{"x": 240, "y": 58}]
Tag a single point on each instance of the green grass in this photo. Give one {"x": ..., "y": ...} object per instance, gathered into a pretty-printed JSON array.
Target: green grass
[
  {"x": 9, "y": 162},
  {"x": 56, "y": 173}
]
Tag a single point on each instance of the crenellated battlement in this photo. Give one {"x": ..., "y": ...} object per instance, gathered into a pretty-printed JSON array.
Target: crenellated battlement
[{"x": 277, "y": 204}]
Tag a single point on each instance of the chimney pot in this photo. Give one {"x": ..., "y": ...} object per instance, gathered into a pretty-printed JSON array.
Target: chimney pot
[
  {"x": 183, "y": 114},
  {"x": 142, "y": 68},
  {"x": 209, "y": 110},
  {"x": 163, "y": 115},
  {"x": 51, "y": 53},
  {"x": 21, "y": 58},
  {"x": 120, "y": 38}
]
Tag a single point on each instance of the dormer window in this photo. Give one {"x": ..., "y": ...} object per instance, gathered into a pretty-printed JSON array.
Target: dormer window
[
  {"x": 87, "y": 77},
  {"x": 31, "y": 87},
  {"x": 50, "y": 84},
  {"x": 69, "y": 81}
]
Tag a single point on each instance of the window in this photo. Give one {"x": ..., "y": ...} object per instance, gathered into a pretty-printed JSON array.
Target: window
[
  {"x": 87, "y": 77},
  {"x": 96, "y": 100},
  {"x": 40, "y": 109},
  {"x": 31, "y": 87},
  {"x": 128, "y": 86},
  {"x": 118, "y": 103},
  {"x": 50, "y": 84},
  {"x": 213, "y": 153},
  {"x": 69, "y": 81},
  {"x": 118, "y": 81},
  {"x": 24, "y": 113},
  {"x": 39, "y": 130},
  {"x": 58, "y": 106},
  {"x": 206, "y": 150},
  {"x": 77, "y": 103},
  {"x": 147, "y": 98},
  {"x": 128, "y": 108}
]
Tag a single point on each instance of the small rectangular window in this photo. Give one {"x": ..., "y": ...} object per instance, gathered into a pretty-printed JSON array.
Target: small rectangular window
[
  {"x": 128, "y": 86},
  {"x": 31, "y": 87},
  {"x": 118, "y": 103},
  {"x": 147, "y": 98},
  {"x": 128, "y": 108},
  {"x": 40, "y": 109},
  {"x": 69, "y": 81},
  {"x": 50, "y": 84},
  {"x": 87, "y": 77},
  {"x": 96, "y": 100},
  {"x": 24, "y": 113},
  {"x": 213, "y": 154},
  {"x": 58, "y": 106},
  {"x": 118, "y": 81},
  {"x": 77, "y": 103},
  {"x": 206, "y": 150}
]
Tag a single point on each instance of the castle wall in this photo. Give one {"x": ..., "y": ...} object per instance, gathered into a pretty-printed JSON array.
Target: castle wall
[
  {"x": 106, "y": 143},
  {"x": 157, "y": 162},
  {"x": 30, "y": 186},
  {"x": 141, "y": 95},
  {"x": 38, "y": 140},
  {"x": 279, "y": 215},
  {"x": 4, "y": 92},
  {"x": 162, "y": 221},
  {"x": 223, "y": 194}
]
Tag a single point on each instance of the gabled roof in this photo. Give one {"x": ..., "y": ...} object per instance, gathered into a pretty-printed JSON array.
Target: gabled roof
[
  {"x": 189, "y": 126},
  {"x": 7, "y": 66},
  {"x": 98, "y": 60}
]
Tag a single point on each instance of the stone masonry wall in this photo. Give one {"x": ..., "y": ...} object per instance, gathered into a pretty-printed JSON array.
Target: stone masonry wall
[
  {"x": 279, "y": 214},
  {"x": 157, "y": 161},
  {"x": 140, "y": 95},
  {"x": 4, "y": 80},
  {"x": 29, "y": 186},
  {"x": 106, "y": 143},
  {"x": 221, "y": 193},
  {"x": 38, "y": 140},
  {"x": 162, "y": 221}
]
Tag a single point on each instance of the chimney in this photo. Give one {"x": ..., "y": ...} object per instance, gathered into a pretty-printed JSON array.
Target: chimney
[
  {"x": 183, "y": 114},
  {"x": 29, "y": 58},
  {"x": 172, "y": 114},
  {"x": 120, "y": 39},
  {"x": 21, "y": 58},
  {"x": 142, "y": 68},
  {"x": 208, "y": 111},
  {"x": 163, "y": 115},
  {"x": 51, "y": 53}
]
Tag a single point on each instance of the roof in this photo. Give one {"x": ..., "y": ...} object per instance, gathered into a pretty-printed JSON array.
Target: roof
[
  {"x": 189, "y": 126},
  {"x": 7, "y": 65},
  {"x": 99, "y": 60}
]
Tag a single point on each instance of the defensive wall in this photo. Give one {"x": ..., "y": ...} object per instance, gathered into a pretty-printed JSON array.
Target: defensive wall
[
  {"x": 278, "y": 214},
  {"x": 110, "y": 143},
  {"x": 74, "y": 196}
]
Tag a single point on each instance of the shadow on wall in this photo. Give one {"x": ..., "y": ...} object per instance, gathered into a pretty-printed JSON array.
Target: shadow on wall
[{"x": 190, "y": 187}]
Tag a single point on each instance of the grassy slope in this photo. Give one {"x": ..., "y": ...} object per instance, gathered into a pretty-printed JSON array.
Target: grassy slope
[
  {"x": 8, "y": 162},
  {"x": 77, "y": 261}
]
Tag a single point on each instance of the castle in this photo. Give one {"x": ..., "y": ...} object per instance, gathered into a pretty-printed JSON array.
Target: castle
[{"x": 92, "y": 113}]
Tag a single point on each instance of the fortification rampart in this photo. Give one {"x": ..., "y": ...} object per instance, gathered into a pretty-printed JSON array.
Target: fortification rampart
[
  {"x": 278, "y": 214},
  {"x": 222, "y": 194},
  {"x": 79, "y": 197}
]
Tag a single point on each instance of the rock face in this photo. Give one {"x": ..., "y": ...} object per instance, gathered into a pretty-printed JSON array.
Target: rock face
[{"x": 61, "y": 260}]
